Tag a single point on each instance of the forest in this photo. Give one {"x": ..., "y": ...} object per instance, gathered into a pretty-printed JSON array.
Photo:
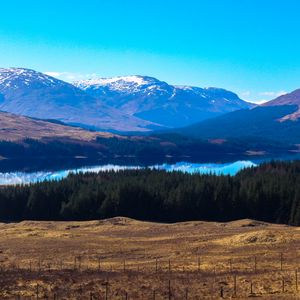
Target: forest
[
  {"x": 269, "y": 192},
  {"x": 156, "y": 147}
]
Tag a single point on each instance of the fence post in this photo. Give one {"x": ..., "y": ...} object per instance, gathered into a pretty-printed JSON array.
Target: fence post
[
  {"x": 199, "y": 264},
  {"x": 234, "y": 285},
  {"x": 186, "y": 294},
  {"x": 221, "y": 292},
  {"x": 106, "y": 291},
  {"x": 169, "y": 266},
  {"x": 283, "y": 283},
  {"x": 156, "y": 265},
  {"x": 79, "y": 262},
  {"x": 255, "y": 264},
  {"x": 39, "y": 264},
  {"x": 281, "y": 261},
  {"x": 296, "y": 279},
  {"x": 169, "y": 289},
  {"x": 37, "y": 291}
]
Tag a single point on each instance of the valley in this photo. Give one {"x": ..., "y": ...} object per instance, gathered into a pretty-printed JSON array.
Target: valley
[{"x": 149, "y": 150}]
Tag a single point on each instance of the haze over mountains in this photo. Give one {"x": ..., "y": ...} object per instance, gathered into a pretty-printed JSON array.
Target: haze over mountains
[{"x": 132, "y": 103}]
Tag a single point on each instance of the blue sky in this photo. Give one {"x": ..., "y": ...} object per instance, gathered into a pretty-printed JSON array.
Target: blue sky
[{"x": 251, "y": 47}]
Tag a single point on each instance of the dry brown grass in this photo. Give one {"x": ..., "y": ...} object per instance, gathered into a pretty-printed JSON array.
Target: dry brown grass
[
  {"x": 16, "y": 128},
  {"x": 77, "y": 260}
]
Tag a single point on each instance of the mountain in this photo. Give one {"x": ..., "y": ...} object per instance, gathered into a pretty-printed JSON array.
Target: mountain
[
  {"x": 131, "y": 103},
  {"x": 34, "y": 94},
  {"x": 292, "y": 98},
  {"x": 277, "y": 120},
  {"x": 156, "y": 101}
]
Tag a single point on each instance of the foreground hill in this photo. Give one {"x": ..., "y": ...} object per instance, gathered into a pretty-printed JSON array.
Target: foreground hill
[
  {"x": 16, "y": 128},
  {"x": 34, "y": 94},
  {"x": 122, "y": 258},
  {"x": 157, "y": 101}
]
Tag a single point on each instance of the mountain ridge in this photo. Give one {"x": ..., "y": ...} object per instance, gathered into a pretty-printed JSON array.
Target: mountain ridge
[
  {"x": 159, "y": 102},
  {"x": 34, "y": 94}
]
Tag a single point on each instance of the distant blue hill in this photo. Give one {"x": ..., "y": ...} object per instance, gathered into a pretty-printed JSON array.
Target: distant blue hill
[{"x": 259, "y": 122}]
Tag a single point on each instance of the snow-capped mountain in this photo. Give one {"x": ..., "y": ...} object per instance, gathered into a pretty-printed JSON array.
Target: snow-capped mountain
[
  {"x": 157, "y": 101},
  {"x": 129, "y": 103},
  {"x": 30, "y": 93}
]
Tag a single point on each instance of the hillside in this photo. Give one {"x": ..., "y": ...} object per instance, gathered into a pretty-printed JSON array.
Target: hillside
[
  {"x": 159, "y": 102},
  {"x": 264, "y": 122},
  {"x": 16, "y": 128},
  {"x": 23, "y": 137},
  {"x": 293, "y": 99}
]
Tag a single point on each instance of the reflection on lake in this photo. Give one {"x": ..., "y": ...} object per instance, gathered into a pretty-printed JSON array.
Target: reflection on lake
[{"x": 232, "y": 168}]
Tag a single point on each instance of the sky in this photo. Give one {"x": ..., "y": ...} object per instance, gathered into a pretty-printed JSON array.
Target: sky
[{"x": 251, "y": 47}]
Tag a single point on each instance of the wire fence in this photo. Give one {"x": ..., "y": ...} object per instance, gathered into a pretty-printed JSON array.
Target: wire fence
[{"x": 273, "y": 276}]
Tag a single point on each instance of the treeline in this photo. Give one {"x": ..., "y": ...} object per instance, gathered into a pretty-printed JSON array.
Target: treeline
[
  {"x": 157, "y": 146},
  {"x": 270, "y": 192},
  {"x": 30, "y": 148}
]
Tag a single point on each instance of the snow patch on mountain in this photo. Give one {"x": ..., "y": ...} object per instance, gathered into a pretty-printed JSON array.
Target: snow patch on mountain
[
  {"x": 117, "y": 83},
  {"x": 15, "y": 78},
  {"x": 162, "y": 103},
  {"x": 34, "y": 94}
]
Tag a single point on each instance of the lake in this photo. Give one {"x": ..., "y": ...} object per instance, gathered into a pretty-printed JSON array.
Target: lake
[
  {"x": 25, "y": 172},
  {"x": 23, "y": 177}
]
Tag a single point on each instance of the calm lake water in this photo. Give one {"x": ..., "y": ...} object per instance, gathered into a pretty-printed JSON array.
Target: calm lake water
[
  {"x": 30, "y": 171},
  {"x": 21, "y": 177}
]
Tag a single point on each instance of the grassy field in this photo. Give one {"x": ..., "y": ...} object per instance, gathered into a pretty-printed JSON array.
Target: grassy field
[{"x": 121, "y": 258}]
